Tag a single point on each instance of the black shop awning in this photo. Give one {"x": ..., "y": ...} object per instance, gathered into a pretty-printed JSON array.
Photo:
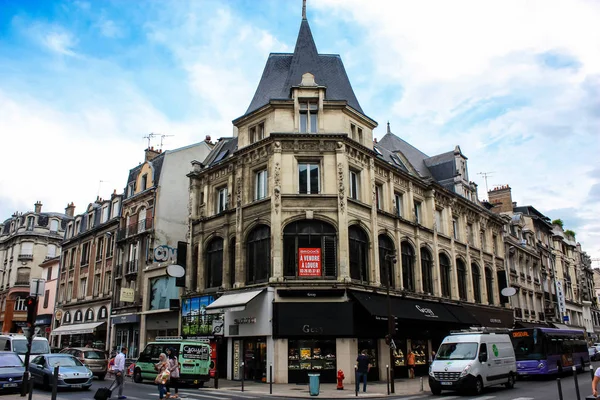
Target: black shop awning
[
  {"x": 405, "y": 309},
  {"x": 492, "y": 317}
]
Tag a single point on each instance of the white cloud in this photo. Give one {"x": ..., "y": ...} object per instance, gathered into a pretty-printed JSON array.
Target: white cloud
[{"x": 109, "y": 28}]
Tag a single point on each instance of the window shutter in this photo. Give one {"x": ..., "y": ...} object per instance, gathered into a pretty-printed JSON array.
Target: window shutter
[{"x": 329, "y": 257}]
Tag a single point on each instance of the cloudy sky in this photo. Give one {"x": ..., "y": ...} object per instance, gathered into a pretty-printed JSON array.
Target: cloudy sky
[{"x": 516, "y": 84}]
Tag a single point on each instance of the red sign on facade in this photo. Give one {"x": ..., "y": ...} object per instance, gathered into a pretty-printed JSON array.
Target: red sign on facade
[{"x": 309, "y": 262}]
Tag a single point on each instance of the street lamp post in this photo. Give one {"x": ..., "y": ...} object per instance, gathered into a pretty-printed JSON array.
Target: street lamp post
[{"x": 390, "y": 260}]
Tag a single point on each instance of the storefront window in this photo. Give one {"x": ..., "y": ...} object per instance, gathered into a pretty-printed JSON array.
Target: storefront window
[
  {"x": 359, "y": 253},
  {"x": 258, "y": 247},
  {"x": 408, "y": 267},
  {"x": 387, "y": 253},
  {"x": 306, "y": 356},
  {"x": 214, "y": 263},
  {"x": 419, "y": 349},
  {"x": 310, "y": 250},
  {"x": 370, "y": 345},
  {"x": 427, "y": 271}
]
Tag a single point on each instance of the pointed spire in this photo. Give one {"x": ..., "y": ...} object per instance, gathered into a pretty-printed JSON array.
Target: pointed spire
[
  {"x": 303, "y": 9},
  {"x": 388, "y": 127}
]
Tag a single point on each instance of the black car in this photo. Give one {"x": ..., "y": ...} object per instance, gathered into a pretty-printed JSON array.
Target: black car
[{"x": 11, "y": 371}]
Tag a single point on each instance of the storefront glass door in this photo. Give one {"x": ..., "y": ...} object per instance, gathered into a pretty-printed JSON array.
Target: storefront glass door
[{"x": 255, "y": 359}]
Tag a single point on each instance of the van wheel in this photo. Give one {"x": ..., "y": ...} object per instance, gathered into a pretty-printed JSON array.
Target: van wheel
[
  {"x": 137, "y": 375},
  {"x": 201, "y": 384},
  {"x": 478, "y": 386},
  {"x": 511, "y": 381},
  {"x": 436, "y": 391}
]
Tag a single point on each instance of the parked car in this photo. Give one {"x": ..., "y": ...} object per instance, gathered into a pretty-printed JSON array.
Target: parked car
[
  {"x": 11, "y": 371},
  {"x": 72, "y": 373},
  {"x": 594, "y": 353},
  {"x": 95, "y": 359},
  {"x": 18, "y": 344}
]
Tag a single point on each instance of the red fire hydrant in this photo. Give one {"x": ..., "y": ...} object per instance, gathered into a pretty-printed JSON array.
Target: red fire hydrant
[{"x": 340, "y": 380}]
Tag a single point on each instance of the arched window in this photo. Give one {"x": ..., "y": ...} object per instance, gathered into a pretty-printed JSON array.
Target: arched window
[
  {"x": 258, "y": 250},
  {"x": 408, "y": 266},
  {"x": 232, "y": 262},
  {"x": 427, "y": 270},
  {"x": 67, "y": 318},
  {"x": 310, "y": 238},
  {"x": 387, "y": 253},
  {"x": 89, "y": 315},
  {"x": 445, "y": 275},
  {"x": 102, "y": 313},
  {"x": 214, "y": 263},
  {"x": 78, "y": 316},
  {"x": 476, "y": 282},
  {"x": 489, "y": 284},
  {"x": 358, "y": 244},
  {"x": 461, "y": 271}
]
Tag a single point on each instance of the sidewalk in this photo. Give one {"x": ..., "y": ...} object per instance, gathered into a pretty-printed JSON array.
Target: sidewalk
[{"x": 327, "y": 390}]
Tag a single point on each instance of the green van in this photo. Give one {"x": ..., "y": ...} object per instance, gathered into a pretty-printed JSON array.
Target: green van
[{"x": 193, "y": 356}]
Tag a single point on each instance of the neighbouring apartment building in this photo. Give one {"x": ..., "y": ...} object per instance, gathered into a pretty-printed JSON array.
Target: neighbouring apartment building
[
  {"x": 300, "y": 222},
  {"x": 85, "y": 280},
  {"x": 27, "y": 240},
  {"x": 547, "y": 267},
  {"x": 153, "y": 222}
]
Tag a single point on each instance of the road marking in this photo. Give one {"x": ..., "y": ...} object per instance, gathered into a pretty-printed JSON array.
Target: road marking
[
  {"x": 241, "y": 394},
  {"x": 208, "y": 396},
  {"x": 483, "y": 398},
  {"x": 420, "y": 397},
  {"x": 524, "y": 398}
]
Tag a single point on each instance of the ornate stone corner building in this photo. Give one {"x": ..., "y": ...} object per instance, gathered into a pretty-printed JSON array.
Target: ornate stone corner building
[
  {"x": 145, "y": 300},
  {"x": 27, "y": 240},
  {"x": 300, "y": 222},
  {"x": 85, "y": 282}
]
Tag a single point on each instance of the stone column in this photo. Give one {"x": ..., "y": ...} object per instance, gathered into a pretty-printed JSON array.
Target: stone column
[
  {"x": 276, "y": 218},
  {"x": 374, "y": 227},
  {"x": 342, "y": 205},
  {"x": 200, "y": 275}
]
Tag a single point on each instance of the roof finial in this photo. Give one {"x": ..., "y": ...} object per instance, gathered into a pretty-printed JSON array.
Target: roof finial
[
  {"x": 388, "y": 128},
  {"x": 303, "y": 9}
]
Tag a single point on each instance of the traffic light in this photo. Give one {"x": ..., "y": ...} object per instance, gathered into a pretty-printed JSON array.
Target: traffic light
[{"x": 31, "y": 303}]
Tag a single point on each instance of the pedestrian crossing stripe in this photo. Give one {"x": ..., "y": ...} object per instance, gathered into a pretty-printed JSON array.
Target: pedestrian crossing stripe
[{"x": 206, "y": 396}]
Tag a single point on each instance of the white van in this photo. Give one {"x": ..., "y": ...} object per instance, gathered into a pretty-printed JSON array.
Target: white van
[
  {"x": 473, "y": 360},
  {"x": 18, "y": 344}
]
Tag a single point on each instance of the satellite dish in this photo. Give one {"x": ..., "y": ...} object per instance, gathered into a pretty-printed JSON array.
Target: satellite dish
[
  {"x": 175, "y": 271},
  {"x": 508, "y": 291}
]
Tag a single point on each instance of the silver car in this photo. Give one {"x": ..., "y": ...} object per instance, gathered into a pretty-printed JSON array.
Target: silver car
[{"x": 72, "y": 373}]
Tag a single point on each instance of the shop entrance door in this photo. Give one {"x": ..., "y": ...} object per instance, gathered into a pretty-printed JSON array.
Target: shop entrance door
[{"x": 255, "y": 359}]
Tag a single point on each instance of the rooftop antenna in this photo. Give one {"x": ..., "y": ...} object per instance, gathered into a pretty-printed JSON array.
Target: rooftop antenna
[
  {"x": 485, "y": 177},
  {"x": 99, "y": 186},
  {"x": 161, "y": 139},
  {"x": 150, "y": 136}
]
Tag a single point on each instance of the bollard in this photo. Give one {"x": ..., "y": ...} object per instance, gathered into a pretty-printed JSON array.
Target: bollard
[
  {"x": 356, "y": 381},
  {"x": 592, "y": 371},
  {"x": 242, "y": 367},
  {"x": 55, "y": 386},
  {"x": 421, "y": 384},
  {"x": 271, "y": 379},
  {"x": 576, "y": 382},
  {"x": 387, "y": 377},
  {"x": 30, "y": 389},
  {"x": 560, "y": 396}
]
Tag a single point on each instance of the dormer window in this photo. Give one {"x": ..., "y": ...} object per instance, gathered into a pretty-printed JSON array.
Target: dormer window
[
  {"x": 130, "y": 190},
  {"x": 144, "y": 182},
  {"x": 356, "y": 133},
  {"x": 308, "y": 116},
  {"x": 257, "y": 132}
]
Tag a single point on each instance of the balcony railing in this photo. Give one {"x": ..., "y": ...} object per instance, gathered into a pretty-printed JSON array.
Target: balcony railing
[
  {"x": 22, "y": 280},
  {"x": 132, "y": 267},
  {"x": 25, "y": 257}
]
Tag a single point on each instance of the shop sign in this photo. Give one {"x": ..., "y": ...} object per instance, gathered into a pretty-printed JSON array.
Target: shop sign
[
  {"x": 125, "y": 319},
  {"x": 127, "y": 295},
  {"x": 309, "y": 262},
  {"x": 58, "y": 315},
  {"x": 311, "y": 293},
  {"x": 560, "y": 295},
  {"x": 495, "y": 321},
  {"x": 236, "y": 359},
  {"x": 244, "y": 321},
  {"x": 428, "y": 312}
]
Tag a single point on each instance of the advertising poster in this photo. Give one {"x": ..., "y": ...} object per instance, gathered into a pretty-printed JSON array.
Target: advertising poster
[
  {"x": 196, "y": 322},
  {"x": 309, "y": 262}
]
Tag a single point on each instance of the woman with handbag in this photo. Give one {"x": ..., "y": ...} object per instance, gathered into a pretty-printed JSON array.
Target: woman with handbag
[
  {"x": 174, "y": 369},
  {"x": 162, "y": 366}
]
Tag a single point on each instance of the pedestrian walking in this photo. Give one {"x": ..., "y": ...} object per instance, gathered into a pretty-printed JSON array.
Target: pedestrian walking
[
  {"x": 363, "y": 365},
  {"x": 119, "y": 371},
  {"x": 162, "y": 367},
  {"x": 174, "y": 369},
  {"x": 411, "y": 364}
]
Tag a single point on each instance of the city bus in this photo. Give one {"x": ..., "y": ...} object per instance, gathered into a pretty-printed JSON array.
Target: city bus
[
  {"x": 194, "y": 360},
  {"x": 546, "y": 351}
]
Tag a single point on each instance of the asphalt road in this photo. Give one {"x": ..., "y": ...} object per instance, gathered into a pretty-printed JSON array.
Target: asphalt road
[{"x": 524, "y": 390}]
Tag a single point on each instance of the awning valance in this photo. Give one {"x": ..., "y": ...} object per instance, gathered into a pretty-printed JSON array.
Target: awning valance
[
  {"x": 568, "y": 327},
  {"x": 232, "y": 302},
  {"x": 491, "y": 317},
  {"x": 77, "y": 329}
]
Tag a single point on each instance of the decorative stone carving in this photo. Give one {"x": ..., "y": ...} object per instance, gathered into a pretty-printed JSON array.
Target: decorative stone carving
[
  {"x": 238, "y": 192},
  {"x": 341, "y": 188},
  {"x": 277, "y": 186},
  {"x": 400, "y": 182}
]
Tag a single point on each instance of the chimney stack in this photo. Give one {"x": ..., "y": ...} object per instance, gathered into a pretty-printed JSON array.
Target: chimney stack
[
  {"x": 38, "y": 207},
  {"x": 501, "y": 198},
  {"x": 70, "y": 210},
  {"x": 151, "y": 153}
]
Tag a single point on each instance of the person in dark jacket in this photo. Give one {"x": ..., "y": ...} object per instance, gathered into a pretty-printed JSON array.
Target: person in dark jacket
[{"x": 363, "y": 365}]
